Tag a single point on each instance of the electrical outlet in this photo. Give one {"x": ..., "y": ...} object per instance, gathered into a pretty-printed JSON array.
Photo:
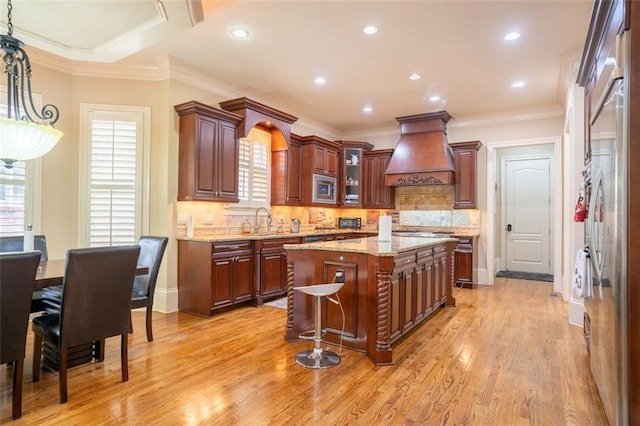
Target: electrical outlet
[
  {"x": 339, "y": 278},
  {"x": 208, "y": 220},
  {"x": 182, "y": 220}
]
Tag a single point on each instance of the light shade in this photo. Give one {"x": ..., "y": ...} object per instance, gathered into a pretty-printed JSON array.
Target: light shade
[{"x": 21, "y": 140}]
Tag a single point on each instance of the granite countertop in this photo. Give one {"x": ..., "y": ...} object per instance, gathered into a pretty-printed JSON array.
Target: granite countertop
[
  {"x": 212, "y": 238},
  {"x": 371, "y": 245}
]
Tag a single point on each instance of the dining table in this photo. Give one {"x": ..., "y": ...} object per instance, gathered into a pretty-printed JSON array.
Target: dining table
[{"x": 51, "y": 272}]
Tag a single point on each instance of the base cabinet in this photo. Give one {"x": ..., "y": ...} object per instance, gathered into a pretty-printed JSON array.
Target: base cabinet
[
  {"x": 213, "y": 276},
  {"x": 463, "y": 258},
  {"x": 271, "y": 262}
]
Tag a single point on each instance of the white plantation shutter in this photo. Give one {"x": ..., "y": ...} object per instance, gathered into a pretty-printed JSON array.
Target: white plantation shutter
[
  {"x": 253, "y": 175},
  {"x": 113, "y": 175},
  {"x": 113, "y": 183}
]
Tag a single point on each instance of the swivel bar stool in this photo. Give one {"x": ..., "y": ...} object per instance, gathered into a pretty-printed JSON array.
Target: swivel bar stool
[{"x": 318, "y": 357}]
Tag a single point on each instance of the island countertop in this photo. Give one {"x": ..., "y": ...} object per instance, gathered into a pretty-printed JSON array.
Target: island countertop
[{"x": 372, "y": 245}]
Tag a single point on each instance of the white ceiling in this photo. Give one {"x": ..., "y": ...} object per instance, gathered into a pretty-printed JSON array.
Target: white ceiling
[{"x": 456, "y": 46}]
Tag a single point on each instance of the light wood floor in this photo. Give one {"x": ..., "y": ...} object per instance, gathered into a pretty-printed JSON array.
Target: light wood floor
[{"x": 506, "y": 355}]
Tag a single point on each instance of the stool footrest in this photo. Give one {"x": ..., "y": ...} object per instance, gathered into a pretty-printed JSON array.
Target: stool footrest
[{"x": 318, "y": 358}]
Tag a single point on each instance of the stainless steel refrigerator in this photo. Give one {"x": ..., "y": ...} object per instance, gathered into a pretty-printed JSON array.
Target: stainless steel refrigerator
[{"x": 606, "y": 231}]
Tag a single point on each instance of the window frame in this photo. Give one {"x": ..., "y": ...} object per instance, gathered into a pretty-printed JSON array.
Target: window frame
[{"x": 88, "y": 112}]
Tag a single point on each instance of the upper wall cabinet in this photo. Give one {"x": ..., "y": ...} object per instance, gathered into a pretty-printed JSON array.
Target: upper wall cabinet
[
  {"x": 464, "y": 159},
  {"x": 208, "y": 153},
  {"x": 319, "y": 156},
  {"x": 352, "y": 177},
  {"x": 286, "y": 168},
  {"x": 376, "y": 195}
]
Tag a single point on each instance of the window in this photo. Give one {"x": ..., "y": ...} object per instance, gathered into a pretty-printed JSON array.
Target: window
[
  {"x": 254, "y": 169},
  {"x": 113, "y": 176},
  {"x": 19, "y": 188}
]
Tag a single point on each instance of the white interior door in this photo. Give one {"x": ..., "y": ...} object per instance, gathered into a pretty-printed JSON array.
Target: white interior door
[{"x": 527, "y": 215}]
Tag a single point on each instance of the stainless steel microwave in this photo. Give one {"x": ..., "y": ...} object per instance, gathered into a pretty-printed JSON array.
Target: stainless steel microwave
[{"x": 324, "y": 189}]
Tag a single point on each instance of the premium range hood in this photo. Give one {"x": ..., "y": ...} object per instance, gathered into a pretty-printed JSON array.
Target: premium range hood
[{"x": 422, "y": 156}]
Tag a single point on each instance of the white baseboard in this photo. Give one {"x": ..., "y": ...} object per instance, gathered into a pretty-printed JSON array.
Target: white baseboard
[
  {"x": 576, "y": 312},
  {"x": 481, "y": 274},
  {"x": 166, "y": 300}
]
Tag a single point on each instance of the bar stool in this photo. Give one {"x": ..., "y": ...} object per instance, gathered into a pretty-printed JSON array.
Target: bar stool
[{"x": 318, "y": 357}]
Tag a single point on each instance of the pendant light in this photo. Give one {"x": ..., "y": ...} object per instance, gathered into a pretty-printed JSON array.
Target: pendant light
[{"x": 25, "y": 132}]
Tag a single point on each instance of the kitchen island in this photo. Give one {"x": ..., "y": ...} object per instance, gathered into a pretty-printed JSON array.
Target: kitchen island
[{"x": 390, "y": 288}]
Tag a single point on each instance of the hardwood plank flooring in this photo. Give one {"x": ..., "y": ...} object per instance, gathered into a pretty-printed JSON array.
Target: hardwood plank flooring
[{"x": 506, "y": 355}]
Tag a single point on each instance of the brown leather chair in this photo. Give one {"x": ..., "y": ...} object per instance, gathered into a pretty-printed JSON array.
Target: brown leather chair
[
  {"x": 17, "y": 280},
  {"x": 96, "y": 298},
  {"x": 16, "y": 243},
  {"x": 144, "y": 286}
]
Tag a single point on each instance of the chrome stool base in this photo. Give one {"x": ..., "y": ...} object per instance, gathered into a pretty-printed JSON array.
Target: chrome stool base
[{"x": 318, "y": 359}]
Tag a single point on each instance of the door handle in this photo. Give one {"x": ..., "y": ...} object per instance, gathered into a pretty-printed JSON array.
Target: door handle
[{"x": 509, "y": 228}]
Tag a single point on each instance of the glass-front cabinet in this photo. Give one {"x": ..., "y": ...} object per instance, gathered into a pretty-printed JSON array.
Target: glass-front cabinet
[{"x": 352, "y": 176}]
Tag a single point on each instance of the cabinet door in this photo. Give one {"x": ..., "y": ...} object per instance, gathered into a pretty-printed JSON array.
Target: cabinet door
[
  {"x": 397, "y": 305},
  {"x": 376, "y": 194},
  {"x": 464, "y": 158},
  {"x": 273, "y": 273},
  {"x": 352, "y": 177},
  {"x": 319, "y": 159},
  {"x": 205, "y": 157},
  {"x": 222, "y": 282},
  {"x": 331, "y": 162},
  {"x": 294, "y": 188},
  {"x": 243, "y": 285},
  {"x": 409, "y": 288},
  {"x": 463, "y": 254},
  {"x": 440, "y": 274},
  {"x": 227, "y": 163}
]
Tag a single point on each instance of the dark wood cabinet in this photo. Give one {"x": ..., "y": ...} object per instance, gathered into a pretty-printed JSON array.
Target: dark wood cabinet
[
  {"x": 376, "y": 195},
  {"x": 464, "y": 160},
  {"x": 271, "y": 263},
  {"x": 208, "y": 153},
  {"x": 352, "y": 178},
  {"x": 463, "y": 260},
  {"x": 286, "y": 169},
  {"x": 213, "y": 276},
  {"x": 418, "y": 287},
  {"x": 318, "y": 156}
]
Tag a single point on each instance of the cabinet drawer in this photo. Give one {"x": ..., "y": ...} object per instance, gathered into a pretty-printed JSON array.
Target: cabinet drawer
[
  {"x": 464, "y": 244},
  {"x": 424, "y": 254},
  {"x": 231, "y": 246},
  {"x": 279, "y": 242},
  {"x": 404, "y": 261},
  {"x": 440, "y": 250}
]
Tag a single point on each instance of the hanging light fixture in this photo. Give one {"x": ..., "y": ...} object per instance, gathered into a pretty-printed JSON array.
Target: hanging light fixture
[{"x": 25, "y": 132}]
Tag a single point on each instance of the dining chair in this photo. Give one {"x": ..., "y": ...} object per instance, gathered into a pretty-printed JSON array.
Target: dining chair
[
  {"x": 144, "y": 286},
  {"x": 17, "y": 280},
  {"x": 16, "y": 243},
  {"x": 96, "y": 297}
]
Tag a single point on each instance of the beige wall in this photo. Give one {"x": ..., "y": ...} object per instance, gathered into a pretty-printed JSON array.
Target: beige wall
[{"x": 60, "y": 166}]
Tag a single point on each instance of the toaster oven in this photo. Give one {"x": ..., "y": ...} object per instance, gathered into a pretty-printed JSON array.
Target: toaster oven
[{"x": 349, "y": 223}]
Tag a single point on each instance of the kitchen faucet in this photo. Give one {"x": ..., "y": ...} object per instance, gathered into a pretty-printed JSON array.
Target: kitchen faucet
[{"x": 256, "y": 227}]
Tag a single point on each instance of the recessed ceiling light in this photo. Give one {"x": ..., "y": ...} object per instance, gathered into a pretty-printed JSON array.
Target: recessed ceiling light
[
  {"x": 514, "y": 35},
  {"x": 414, "y": 76},
  {"x": 517, "y": 84},
  {"x": 370, "y": 29},
  {"x": 239, "y": 33},
  {"x": 367, "y": 109},
  {"x": 434, "y": 98},
  {"x": 320, "y": 80}
]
